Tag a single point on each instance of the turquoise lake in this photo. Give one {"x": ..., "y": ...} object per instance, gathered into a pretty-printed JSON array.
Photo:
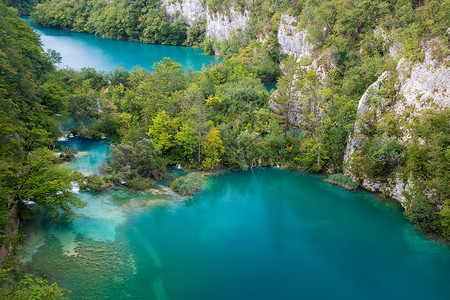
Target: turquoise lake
[
  {"x": 261, "y": 234},
  {"x": 82, "y": 50}
]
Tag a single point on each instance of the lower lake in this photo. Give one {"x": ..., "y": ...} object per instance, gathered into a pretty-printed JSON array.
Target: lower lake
[{"x": 261, "y": 234}]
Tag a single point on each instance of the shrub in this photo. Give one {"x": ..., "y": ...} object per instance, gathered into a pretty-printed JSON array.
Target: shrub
[
  {"x": 68, "y": 154},
  {"x": 421, "y": 213},
  {"x": 187, "y": 185},
  {"x": 140, "y": 183},
  {"x": 94, "y": 183},
  {"x": 142, "y": 158},
  {"x": 343, "y": 181}
]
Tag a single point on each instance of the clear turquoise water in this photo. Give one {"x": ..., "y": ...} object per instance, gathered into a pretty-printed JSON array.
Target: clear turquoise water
[
  {"x": 270, "y": 87},
  {"x": 266, "y": 234},
  {"x": 79, "y": 50},
  {"x": 91, "y": 154}
]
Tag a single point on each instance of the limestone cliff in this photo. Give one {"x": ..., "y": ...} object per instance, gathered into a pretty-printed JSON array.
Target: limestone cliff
[
  {"x": 293, "y": 41},
  {"x": 356, "y": 139},
  {"x": 219, "y": 25},
  {"x": 421, "y": 85},
  {"x": 191, "y": 10}
]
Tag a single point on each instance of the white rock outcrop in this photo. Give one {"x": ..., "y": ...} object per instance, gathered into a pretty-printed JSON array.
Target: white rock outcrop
[
  {"x": 191, "y": 10},
  {"x": 425, "y": 82},
  {"x": 356, "y": 139},
  {"x": 220, "y": 26},
  {"x": 293, "y": 41}
]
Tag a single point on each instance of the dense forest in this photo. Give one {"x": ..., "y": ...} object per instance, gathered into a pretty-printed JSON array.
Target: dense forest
[
  {"x": 219, "y": 117},
  {"x": 133, "y": 20},
  {"x": 31, "y": 95}
]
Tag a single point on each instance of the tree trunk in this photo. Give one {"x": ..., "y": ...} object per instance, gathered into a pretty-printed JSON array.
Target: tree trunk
[{"x": 199, "y": 134}]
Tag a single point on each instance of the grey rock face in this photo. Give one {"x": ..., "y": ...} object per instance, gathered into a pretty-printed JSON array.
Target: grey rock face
[
  {"x": 355, "y": 139},
  {"x": 425, "y": 82},
  {"x": 192, "y": 10},
  {"x": 221, "y": 26},
  {"x": 291, "y": 40}
]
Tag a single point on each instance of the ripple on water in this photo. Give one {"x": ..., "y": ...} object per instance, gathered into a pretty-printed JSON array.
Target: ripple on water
[
  {"x": 67, "y": 240},
  {"x": 99, "y": 219},
  {"x": 100, "y": 268},
  {"x": 91, "y": 256}
]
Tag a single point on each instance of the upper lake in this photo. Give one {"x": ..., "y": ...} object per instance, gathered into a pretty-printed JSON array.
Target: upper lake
[{"x": 83, "y": 50}]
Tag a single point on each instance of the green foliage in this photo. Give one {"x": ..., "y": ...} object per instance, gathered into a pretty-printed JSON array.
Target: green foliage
[
  {"x": 196, "y": 34},
  {"x": 109, "y": 125},
  {"x": 45, "y": 183},
  {"x": 429, "y": 161},
  {"x": 83, "y": 106},
  {"x": 31, "y": 181},
  {"x": 24, "y": 7},
  {"x": 423, "y": 162},
  {"x": 208, "y": 46},
  {"x": 119, "y": 76},
  {"x": 421, "y": 213},
  {"x": 257, "y": 59},
  {"x": 139, "y": 183},
  {"x": 68, "y": 154},
  {"x": 162, "y": 131},
  {"x": 23, "y": 70},
  {"x": 15, "y": 284},
  {"x": 247, "y": 148},
  {"x": 54, "y": 56},
  {"x": 35, "y": 288},
  {"x": 212, "y": 148},
  {"x": 93, "y": 183},
  {"x": 128, "y": 161},
  {"x": 132, "y": 20},
  {"x": 186, "y": 141},
  {"x": 382, "y": 156},
  {"x": 159, "y": 28}
]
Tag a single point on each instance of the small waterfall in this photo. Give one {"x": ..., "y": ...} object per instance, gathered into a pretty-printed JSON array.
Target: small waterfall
[
  {"x": 179, "y": 167},
  {"x": 28, "y": 202},
  {"x": 75, "y": 187},
  {"x": 98, "y": 105}
]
